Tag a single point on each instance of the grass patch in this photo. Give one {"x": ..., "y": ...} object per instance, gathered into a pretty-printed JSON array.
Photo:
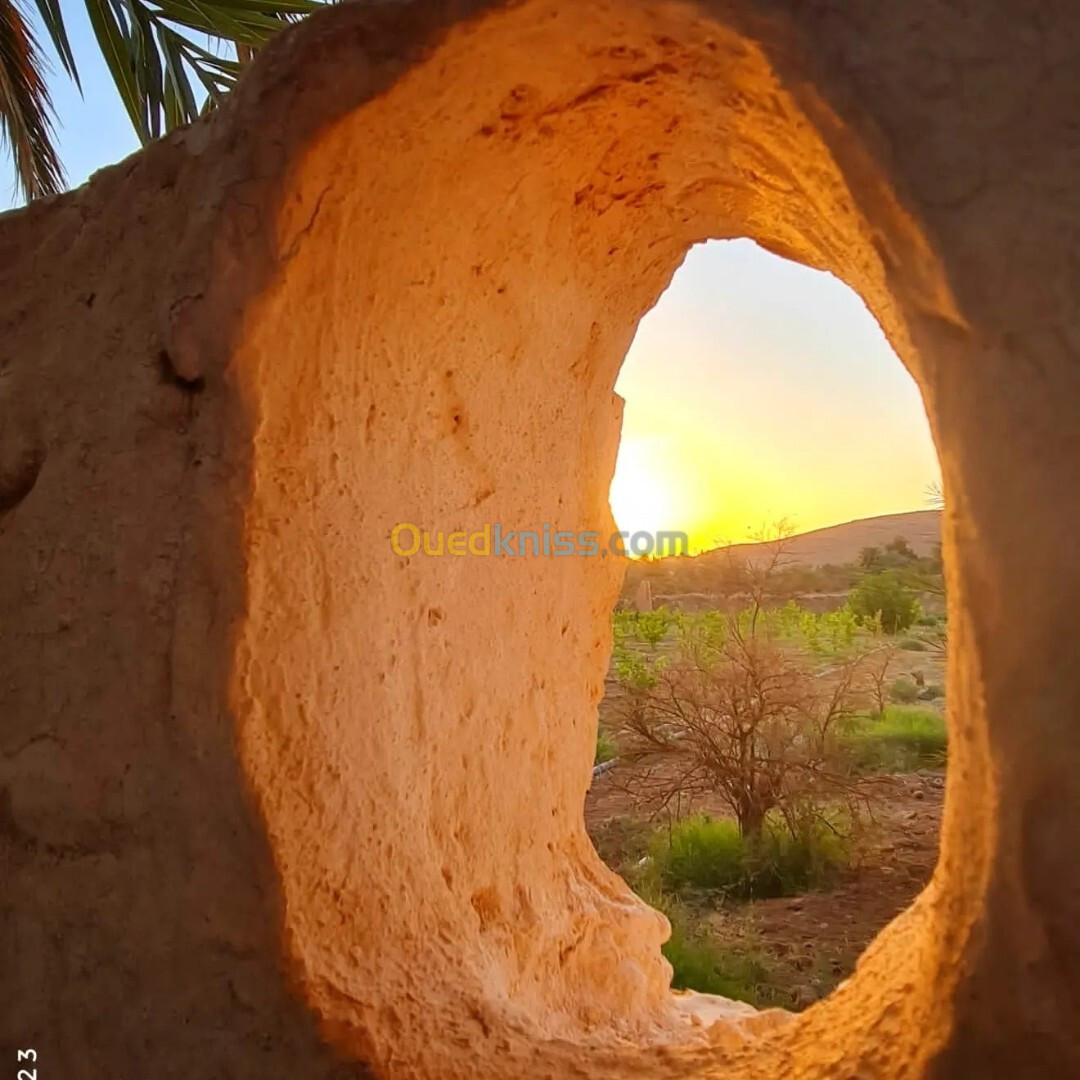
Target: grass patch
[
  {"x": 710, "y": 854},
  {"x": 903, "y": 690},
  {"x": 698, "y": 963},
  {"x": 605, "y": 747},
  {"x": 738, "y": 970},
  {"x": 700, "y": 852},
  {"x": 903, "y": 740}
]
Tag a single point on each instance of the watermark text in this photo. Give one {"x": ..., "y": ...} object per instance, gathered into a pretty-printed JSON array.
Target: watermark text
[{"x": 409, "y": 539}]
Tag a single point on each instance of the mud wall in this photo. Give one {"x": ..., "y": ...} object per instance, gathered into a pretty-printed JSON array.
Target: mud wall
[{"x": 278, "y": 801}]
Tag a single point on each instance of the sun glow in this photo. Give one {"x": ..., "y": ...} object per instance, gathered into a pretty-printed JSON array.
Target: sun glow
[
  {"x": 758, "y": 390},
  {"x": 641, "y": 493},
  {"x": 686, "y": 481}
]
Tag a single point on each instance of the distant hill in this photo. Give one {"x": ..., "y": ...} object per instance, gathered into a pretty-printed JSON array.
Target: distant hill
[{"x": 840, "y": 544}]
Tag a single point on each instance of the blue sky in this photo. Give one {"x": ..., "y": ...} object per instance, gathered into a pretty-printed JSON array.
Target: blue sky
[
  {"x": 755, "y": 390},
  {"x": 93, "y": 129}
]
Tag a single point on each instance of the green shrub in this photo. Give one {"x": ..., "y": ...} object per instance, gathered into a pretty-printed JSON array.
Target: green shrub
[
  {"x": 633, "y": 669},
  {"x": 829, "y": 632},
  {"x": 839, "y": 628},
  {"x": 884, "y": 594},
  {"x": 702, "y": 634},
  {"x": 785, "y": 621},
  {"x": 810, "y": 628},
  {"x": 807, "y": 853},
  {"x": 903, "y": 740},
  {"x": 913, "y": 645},
  {"x": 699, "y": 964},
  {"x": 623, "y": 624},
  {"x": 928, "y": 620},
  {"x": 652, "y": 626},
  {"x": 702, "y": 852},
  {"x": 903, "y": 690},
  {"x": 605, "y": 747}
]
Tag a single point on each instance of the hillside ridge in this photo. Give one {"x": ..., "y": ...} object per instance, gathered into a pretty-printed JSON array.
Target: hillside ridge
[{"x": 839, "y": 544}]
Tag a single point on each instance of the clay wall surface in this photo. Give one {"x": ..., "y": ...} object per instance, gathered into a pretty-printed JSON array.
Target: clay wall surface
[{"x": 276, "y": 801}]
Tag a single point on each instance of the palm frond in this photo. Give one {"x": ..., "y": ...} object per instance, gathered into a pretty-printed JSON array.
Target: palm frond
[
  {"x": 155, "y": 59},
  {"x": 26, "y": 112},
  {"x": 161, "y": 56},
  {"x": 53, "y": 20},
  {"x": 118, "y": 48}
]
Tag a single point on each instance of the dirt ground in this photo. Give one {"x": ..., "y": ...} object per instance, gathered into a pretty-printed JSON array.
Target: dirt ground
[{"x": 811, "y": 942}]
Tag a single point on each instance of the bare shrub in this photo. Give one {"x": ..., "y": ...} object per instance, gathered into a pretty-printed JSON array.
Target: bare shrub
[
  {"x": 739, "y": 717},
  {"x": 877, "y": 666}
]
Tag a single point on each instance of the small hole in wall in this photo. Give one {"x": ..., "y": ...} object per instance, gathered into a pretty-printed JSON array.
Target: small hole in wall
[{"x": 771, "y": 747}]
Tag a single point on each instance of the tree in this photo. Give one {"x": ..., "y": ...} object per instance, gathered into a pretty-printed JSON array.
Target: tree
[
  {"x": 762, "y": 579},
  {"x": 884, "y": 595},
  {"x": 739, "y": 717},
  {"x": 900, "y": 546},
  {"x": 652, "y": 626},
  {"x": 152, "y": 57},
  {"x": 869, "y": 557}
]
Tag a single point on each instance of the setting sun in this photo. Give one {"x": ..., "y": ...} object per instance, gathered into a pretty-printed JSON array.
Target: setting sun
[
  {"x": 641, "y": 493},
  {"x": 759, "y": 390}
]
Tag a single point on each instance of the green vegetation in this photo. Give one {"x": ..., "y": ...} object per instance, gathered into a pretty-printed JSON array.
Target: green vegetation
[
  {"x": 605, "y": 747},
  {"x": 827, "y": 633},
  {"x": 706, "y": 853},
  {"x": 635, "y": 670},
  {"x": 652, "y": 626},
  {"x": 903, "y": 690},
  {"x": 737, "y": 970},
  {"x": 884, "y": 594},
  {"x": 706, "y": 632},
  {"x": 903, "y": 740},
  {"x": 831, "y": 632},
  {"x": 623, "y": 625},
  {"x": 780, "y": 718},
  {"x": 698, "y": 963},
  {"x": 701, "y": 852}
]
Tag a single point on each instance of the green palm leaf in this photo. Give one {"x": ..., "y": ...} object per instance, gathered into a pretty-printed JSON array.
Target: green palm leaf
[
  {"x": 152, "y": 60},
  {"x": 53, "y": 20},
  {"x": 25, "y": 107},
  {"x": 156, "y": 51},
  {"x": 110, "y": 29}
]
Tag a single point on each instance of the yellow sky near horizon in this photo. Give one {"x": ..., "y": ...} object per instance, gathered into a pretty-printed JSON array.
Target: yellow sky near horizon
[{"x": 758, "y": 390}]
